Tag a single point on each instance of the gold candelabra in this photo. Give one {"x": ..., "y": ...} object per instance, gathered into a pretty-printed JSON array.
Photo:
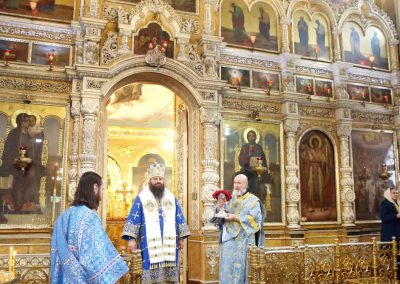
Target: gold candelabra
[
  {"x": 259, "y": 168},
  {"x": 385, "y": 175}
]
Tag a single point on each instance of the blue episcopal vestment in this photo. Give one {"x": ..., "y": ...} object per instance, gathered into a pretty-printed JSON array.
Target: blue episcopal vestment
[
  {"x": 81, "y": 251},
  {"x": 238, "y": 235},
  {"x": 157, "y": 226}
]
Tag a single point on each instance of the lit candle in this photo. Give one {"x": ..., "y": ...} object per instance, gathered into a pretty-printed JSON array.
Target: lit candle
[
  {"x": 365, "y": 170},
  {"x": 316, "y": 50},
  {"x": 328, "y": 91},
  {"x": 270, "y": 82},
  {"x": 386, "y": 98},
  {"x": 384, "y": 167}
]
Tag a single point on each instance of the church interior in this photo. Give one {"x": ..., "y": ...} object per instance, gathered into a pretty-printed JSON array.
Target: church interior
[{"x": 113, "y": 86}]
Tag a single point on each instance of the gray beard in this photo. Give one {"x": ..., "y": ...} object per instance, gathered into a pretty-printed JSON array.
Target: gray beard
[{"x": 237, "y": 193}]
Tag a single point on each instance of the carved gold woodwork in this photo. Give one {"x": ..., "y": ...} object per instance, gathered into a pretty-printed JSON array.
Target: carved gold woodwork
[{"x": 335, "y": 263}]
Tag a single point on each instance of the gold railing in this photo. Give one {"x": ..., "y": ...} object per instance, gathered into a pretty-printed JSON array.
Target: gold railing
[
  {"x": 35, "y": 268},
  {"x": 337, "y": 263}
]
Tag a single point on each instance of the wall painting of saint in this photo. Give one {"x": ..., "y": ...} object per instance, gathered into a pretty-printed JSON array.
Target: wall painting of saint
[
  {"x": 367, "y": 48},
  {"x": 252, "y": 144},
  {"x": 56, "y": 10},
  {"x": 323, "y": 88},
  {"x": 381, "y": 95},
  {"x": 18, "y": 50},
  {"x": 150, "y": 37},
  {"x": 40, "y": 54},
  {"x": 311, "y": 35},
  {"x": 235, "y": 76},
  {"x": 368, "y": 186},
  {"x": 31, "y": 158},
  {"x": 305, "y": 85},
  {"x": 358, "y": 92},
  {"x": 317, "y": 178},
  {"x": 262, "y": 80},
  {"x": 255, "y": 27}
]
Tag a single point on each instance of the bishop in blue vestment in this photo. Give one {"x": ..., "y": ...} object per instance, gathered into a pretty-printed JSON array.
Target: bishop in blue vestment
[{"x": 157, "y": 223}]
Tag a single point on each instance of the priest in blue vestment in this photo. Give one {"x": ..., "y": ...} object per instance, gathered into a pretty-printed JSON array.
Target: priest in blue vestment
[
  {"x": 81, "y": 251},
  {"x": 156, "y": 222},
  {"x": 243, "y": 226}
]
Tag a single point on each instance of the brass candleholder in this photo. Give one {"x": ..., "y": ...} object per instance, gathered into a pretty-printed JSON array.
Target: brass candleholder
[
  {"x": 259, "y": 169},
  {"x": 385, "y": 175}
]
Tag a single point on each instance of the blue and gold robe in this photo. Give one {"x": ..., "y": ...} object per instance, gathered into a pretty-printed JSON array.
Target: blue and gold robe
[
  {"x": 238, "y": 235},
  {"x": 157, "y": 228},
  {"x": 81, "y": 251}
]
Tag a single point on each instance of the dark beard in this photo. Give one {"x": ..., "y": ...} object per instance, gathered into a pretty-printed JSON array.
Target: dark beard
[{"x": 157, "y": 190}]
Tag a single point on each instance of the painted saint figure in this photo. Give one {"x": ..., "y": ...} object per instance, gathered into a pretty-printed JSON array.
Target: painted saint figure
[
  {"x": 315, "y": 162},
  {"x": 355, "y": 44},
  {"x": 264, "y": 23},
  {"x": 376, "y": 47},
  {"x": 239, "y": 32},
  {"x": 302, "y": 28},
  {"x": 320, "y": 32}
]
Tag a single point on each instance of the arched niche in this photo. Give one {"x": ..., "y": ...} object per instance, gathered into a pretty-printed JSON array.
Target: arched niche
[{"x": 318, "y": 177}]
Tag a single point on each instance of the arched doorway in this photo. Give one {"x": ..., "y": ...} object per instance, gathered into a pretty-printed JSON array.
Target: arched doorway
[{"x": 145, "y": 123}]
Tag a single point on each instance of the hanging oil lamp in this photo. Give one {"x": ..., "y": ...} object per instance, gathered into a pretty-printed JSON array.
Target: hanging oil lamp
[{"x": 22, "y": 162}]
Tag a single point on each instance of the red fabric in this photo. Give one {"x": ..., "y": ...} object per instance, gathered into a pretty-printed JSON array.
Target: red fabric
[{"x": 227, "y": 194}]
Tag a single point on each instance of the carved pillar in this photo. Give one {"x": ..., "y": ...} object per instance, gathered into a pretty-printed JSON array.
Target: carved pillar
[
  {"x": 210, "y": 46},
  {"x": 78, "y": 42},
  {"x": 93, "y": 28},
  {"x": 93, "y": 9},
  {"x": 340, "y": 78},
  {"x": 291, "y": 125},
  {"x": 208, "y": 27},
  {"x": 210, "y": 119},
  {"x": 182, "y": 47},
  {"x": 125, "y": 35},
  {"x": 337, "y": 52},
  {"x": 394, "y": 63},
  {"x": 89, "y": 109},
  {"x": 347, "y": 195},
  {"x": 73, "y": 158},
  {"x": 288, "y": 70},
  {"x": 285, "y": 22}
]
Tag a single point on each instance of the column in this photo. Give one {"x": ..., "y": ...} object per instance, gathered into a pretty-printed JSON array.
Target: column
[
  {"x": 73, "y": 158},
  {"x": 89, "y": 110},
  {"x": 291, "y": 125},
  {"x": 210, "y": 119},
  {"x": 347, "y": 195},
  {"x": 208, "y": 27}
]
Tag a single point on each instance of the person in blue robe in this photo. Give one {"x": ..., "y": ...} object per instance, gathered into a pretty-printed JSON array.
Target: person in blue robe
[
  {"x": 243, "y": 226},
  {"x": 81, "y": 251},
  {"x": 376, "y": 47},
  {"x": 157, "y": 223}
]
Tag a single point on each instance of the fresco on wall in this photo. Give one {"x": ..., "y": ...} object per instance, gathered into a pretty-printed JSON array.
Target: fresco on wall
[
  {"x": 180, "y": 5},
  {"x": 245, "y": 144},
  {"x": 381, "y": 95},
  {"x": 40, "y": 52},
  {"x": 311, "y": 35},
  {"x": 362, "y": 48},
  {"x": 358, "y": 92},
  {"x": 239, "y": 25},
  {"x": 57, "y": 10},
  {"x": 368, "y": 186},
  {"x": 261, "y": 79},
  {"x": 149, "y": 37},
  {"x": 19, "y": 50},
  {"x": 236, "y": 77},
  {"x": 317, "y": 178},
  {"x": 31, "y": 161},
  {"x": 323, "y": 88},
  {"x": 304, "y": 85}
]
